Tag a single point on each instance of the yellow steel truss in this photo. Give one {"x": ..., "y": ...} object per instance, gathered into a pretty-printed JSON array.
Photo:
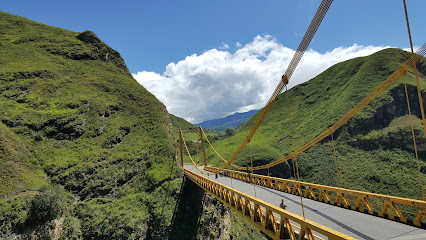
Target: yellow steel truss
[
  {"x": 273, "y": 221},
  {"x": 350, "y": 199}
]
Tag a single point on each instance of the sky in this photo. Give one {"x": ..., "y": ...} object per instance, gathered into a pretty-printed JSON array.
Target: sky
[{"x": 209, "y": 59}]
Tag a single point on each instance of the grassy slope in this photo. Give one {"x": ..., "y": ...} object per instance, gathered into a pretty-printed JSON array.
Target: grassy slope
[
  {"x": 74, "y": 111},
  {"x": 372, "y": 149},
  {"x": 17, "y": 170}
]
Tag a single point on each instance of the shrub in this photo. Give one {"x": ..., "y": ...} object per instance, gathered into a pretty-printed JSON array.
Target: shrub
[
  {"x": 230, "y": 132},
  {"x": 48, "y": 205}
]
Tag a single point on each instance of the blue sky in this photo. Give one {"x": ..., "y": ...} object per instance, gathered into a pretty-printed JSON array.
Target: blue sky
[{"x": 153, "y": 37}]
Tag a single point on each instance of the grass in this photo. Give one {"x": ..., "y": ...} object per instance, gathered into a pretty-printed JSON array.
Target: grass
[
  {"x": 17, "y": 169},
  {"x": 31, "y": 209},
  {"x": 15, "y": 210}
]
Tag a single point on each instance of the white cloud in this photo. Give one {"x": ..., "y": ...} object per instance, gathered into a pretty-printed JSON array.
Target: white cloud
[
  {"x": 408, "y": 49},
  {"x": 224, "y": 46},
  {"x": 218, "y": 83},
  {"x": 145, "y": 76},
  {"x": 238, "y": 44}
]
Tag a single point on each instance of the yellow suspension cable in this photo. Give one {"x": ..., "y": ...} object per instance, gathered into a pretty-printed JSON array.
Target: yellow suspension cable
[
  {"x": 335, "y": 159},
  {"x": 198, "y": 147},
  {"x": 408, "y": 26},
  {"x": 207, "y": 139},
  {"x": 420, "y": 100},
  {"x": 190, "y": 157},
  {"x": 402, "y": 70},
  {"x": 294, "y": 148},
  {"x": 310, "y": 32},
  {"x": 214, "y": 150},
  {"x": 414, "y": 139},
  {"x": 415, "y": 71},
  {"x": 294, "y": 169}
]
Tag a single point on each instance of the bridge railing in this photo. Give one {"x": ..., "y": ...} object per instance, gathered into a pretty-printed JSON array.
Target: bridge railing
[
  {"x": 380, "y": 205},
  {"x": 274, "y": 221}
]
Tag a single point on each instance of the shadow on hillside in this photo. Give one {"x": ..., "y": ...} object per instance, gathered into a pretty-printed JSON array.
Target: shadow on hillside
[{"x": 187, "y": 214}]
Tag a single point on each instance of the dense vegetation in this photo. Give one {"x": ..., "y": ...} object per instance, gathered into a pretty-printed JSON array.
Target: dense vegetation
[
  {"x": 374, "y": 149},
  {"x": 71, "y": 114}
]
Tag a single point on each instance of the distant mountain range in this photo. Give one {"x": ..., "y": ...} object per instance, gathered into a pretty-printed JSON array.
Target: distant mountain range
[{"x": 231, "y": 121}]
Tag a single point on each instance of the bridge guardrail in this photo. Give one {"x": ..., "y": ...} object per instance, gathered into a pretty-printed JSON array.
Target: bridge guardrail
[
  {"x": 274, "y": 221},
  {"x": 343, "y": 197}
]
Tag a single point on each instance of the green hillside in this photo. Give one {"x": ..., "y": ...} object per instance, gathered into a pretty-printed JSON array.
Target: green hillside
[
  {"x": 17, "y": 169},
  {"x": 191, "y": 135},
  {"x": 71, "y": 114},
  {"x": 374, "y": 149}
]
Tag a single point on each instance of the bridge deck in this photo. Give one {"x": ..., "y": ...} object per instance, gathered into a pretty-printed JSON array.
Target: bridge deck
[{"x": 352, "y": 223}]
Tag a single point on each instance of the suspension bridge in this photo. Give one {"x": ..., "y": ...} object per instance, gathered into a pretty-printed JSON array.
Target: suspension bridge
[{"x": 314, "y": 211}]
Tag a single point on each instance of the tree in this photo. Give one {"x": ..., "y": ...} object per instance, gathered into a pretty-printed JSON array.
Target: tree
[
  {"x": 47, "y": 205},
  {"x": 229, "y": 132}
]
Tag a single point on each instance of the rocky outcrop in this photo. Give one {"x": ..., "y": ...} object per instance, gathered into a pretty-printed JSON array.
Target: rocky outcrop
[{"x": 215, "y": 221}]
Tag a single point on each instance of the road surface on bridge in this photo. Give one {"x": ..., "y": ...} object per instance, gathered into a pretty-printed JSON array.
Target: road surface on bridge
[{"x": 352, "y": 223}]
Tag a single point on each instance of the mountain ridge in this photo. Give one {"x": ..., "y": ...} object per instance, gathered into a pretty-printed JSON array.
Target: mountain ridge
[{"x": 231, "y": 121}]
